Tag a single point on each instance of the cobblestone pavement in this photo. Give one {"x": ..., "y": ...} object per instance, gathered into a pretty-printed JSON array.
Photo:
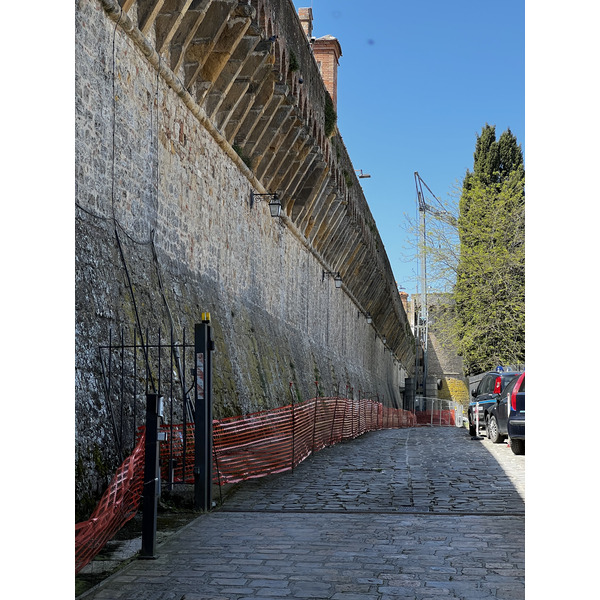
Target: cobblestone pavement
[{"x": 406, "y": 513}]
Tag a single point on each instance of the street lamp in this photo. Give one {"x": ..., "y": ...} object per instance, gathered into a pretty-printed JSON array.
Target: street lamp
[
  {"x": 274, "y": 204},
  {"x": 336, "y": 278}
]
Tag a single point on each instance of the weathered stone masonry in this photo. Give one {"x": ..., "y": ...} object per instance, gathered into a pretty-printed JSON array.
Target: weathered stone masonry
[{"x": 182, "y": 108}]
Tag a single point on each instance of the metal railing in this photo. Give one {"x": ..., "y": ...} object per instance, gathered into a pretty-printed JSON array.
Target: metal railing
[
  {"x": 134, "y": 366},
  {"x": 438, "y": 412}
]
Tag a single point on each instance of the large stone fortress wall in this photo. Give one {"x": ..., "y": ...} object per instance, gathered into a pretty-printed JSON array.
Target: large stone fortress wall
[{"x": 182, "y": 108}]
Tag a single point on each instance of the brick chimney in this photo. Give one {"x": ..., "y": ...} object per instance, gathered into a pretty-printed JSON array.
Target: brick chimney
[
  {"x": 327, "y": 52},
  {"x": 404, "y": 299},
  {"x": 306, "y": 18}
]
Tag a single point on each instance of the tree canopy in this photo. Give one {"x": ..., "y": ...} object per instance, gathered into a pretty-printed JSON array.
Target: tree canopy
[{"x": 490, "y": 287}]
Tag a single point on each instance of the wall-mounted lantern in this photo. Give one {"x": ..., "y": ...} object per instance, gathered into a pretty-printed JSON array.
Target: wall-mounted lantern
[
  {"x": 336, "y": 278},
  {"x": 367, "y": 316},
  {"x": 274, "y": 203},
  {"x": 384, "y": 340}
]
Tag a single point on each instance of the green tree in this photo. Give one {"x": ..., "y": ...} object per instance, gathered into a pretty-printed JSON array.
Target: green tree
[{"x": 490, "y": 287}]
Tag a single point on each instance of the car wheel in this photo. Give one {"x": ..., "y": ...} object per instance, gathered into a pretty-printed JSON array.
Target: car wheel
[
  {"x": 493, "y": 432},
  {"x": 517, "y": 446}
]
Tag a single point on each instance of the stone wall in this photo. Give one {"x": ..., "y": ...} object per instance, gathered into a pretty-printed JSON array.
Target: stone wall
[
  {"x": 444, "y": 364},
  {"x": 165, "y": 229}
]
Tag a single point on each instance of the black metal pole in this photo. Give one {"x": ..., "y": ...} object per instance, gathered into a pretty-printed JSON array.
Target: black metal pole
[
  {"x": 352, "y": 412},
  {"x": 359, "y": 395},
  {"x": 151, "y": 478},
  {"x": 185, "y": 412},
  {"x": 333, "y": 422},
  {"x": 134, "y": 385},
  {"x": 315, "y": 416},
  {"x": 293, "y": 427},
  {"x": 122, "y": 407},
  {"x": 171, "y": 463},
  {"x": 204, "y": 345}
]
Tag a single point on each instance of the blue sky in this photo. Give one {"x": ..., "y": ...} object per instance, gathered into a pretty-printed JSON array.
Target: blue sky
[{"x": 416, "y": 83}]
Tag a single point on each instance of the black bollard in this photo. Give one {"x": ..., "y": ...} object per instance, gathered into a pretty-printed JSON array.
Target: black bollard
[
  {"x": 151, "y": 490},
  {"x": 204, "y": 346}
]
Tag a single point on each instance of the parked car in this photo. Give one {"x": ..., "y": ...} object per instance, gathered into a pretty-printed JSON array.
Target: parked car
[
  {"x": 487, "y": 392},
  {"x": 496, "y": 418},
  {"x": 516, "y": 416}
]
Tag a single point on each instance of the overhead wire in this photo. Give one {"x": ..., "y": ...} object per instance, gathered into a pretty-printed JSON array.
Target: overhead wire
[
  {"x": 117, "y": 225},
  {"x": 115, "y": 220},
  {"x": 178, "y": 364}
]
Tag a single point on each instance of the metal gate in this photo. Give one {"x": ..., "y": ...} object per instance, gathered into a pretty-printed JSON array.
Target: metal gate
[{"x": 133, "y": 367}]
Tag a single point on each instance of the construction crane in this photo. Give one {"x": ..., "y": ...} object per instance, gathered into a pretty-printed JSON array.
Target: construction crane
[{"x": 422, "y": 328}]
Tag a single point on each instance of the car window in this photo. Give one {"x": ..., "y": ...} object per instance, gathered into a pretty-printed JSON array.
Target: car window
[
  {"x": 480, "y": 387},
  {"x": 487, "y": 384},
  {"x": 509, "y": 388},
  {"x": 506, "y": 379}
]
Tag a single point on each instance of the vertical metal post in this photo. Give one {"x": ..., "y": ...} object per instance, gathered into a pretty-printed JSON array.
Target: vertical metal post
[
  {"x": 352, "y": 411},
  {"x": 315, "y": 415},
  {"x": 159, "y": 355},
  {"x": 122, "y": 408},
  {"x": 134, "y": 384},
  {"x": 333, "y": 422},
  {"x": 293, "y": 427},
  {"x": 171, "y": 463},
  {"x": 151, "y": 478},
  {"x": 204, "y": 345},
  {"x": 344, "y": 415},
  {"x": 185, "y": 413},
  {"x": 359, "y": 395}
]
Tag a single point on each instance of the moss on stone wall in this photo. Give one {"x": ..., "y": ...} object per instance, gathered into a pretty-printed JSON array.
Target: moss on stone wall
[{"x": 454, "y": 389}]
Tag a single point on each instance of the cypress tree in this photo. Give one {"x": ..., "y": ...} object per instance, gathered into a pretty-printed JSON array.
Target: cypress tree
[{"x": 490, "y": 286}]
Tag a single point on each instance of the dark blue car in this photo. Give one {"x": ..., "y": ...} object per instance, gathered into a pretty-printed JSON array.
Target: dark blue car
[
  {"x": 485, "y": 395},
  {"x": 516, "y": 416},
  {"x": 509, "y": 406}
]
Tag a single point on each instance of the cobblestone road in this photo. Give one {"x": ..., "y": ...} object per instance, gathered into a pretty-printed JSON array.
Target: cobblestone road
[{"x": 407, "y": 513}]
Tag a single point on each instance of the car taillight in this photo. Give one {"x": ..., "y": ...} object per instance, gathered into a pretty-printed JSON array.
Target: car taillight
[
  {"x": 513, "y": 398},
  {"x": 498, "y": 385}
]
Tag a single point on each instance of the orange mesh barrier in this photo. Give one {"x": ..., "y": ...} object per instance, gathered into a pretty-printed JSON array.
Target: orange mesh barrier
[
  {"x": 244, "y": 447},
  {"x": 439, "y": 417},
  {"x": 117, "y": 506},
  {"x": 277, "y": 440}
]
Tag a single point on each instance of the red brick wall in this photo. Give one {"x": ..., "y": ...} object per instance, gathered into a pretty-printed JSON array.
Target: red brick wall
[{"x": 327, "y": 51}]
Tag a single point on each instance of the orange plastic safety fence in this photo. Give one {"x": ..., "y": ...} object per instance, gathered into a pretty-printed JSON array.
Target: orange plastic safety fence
[
  {"x": 440, "y": 417},
  {"x": 244, "y": 447},
  {"x": 276, "y": 440},
  {"x": 117, "y": 506}
]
